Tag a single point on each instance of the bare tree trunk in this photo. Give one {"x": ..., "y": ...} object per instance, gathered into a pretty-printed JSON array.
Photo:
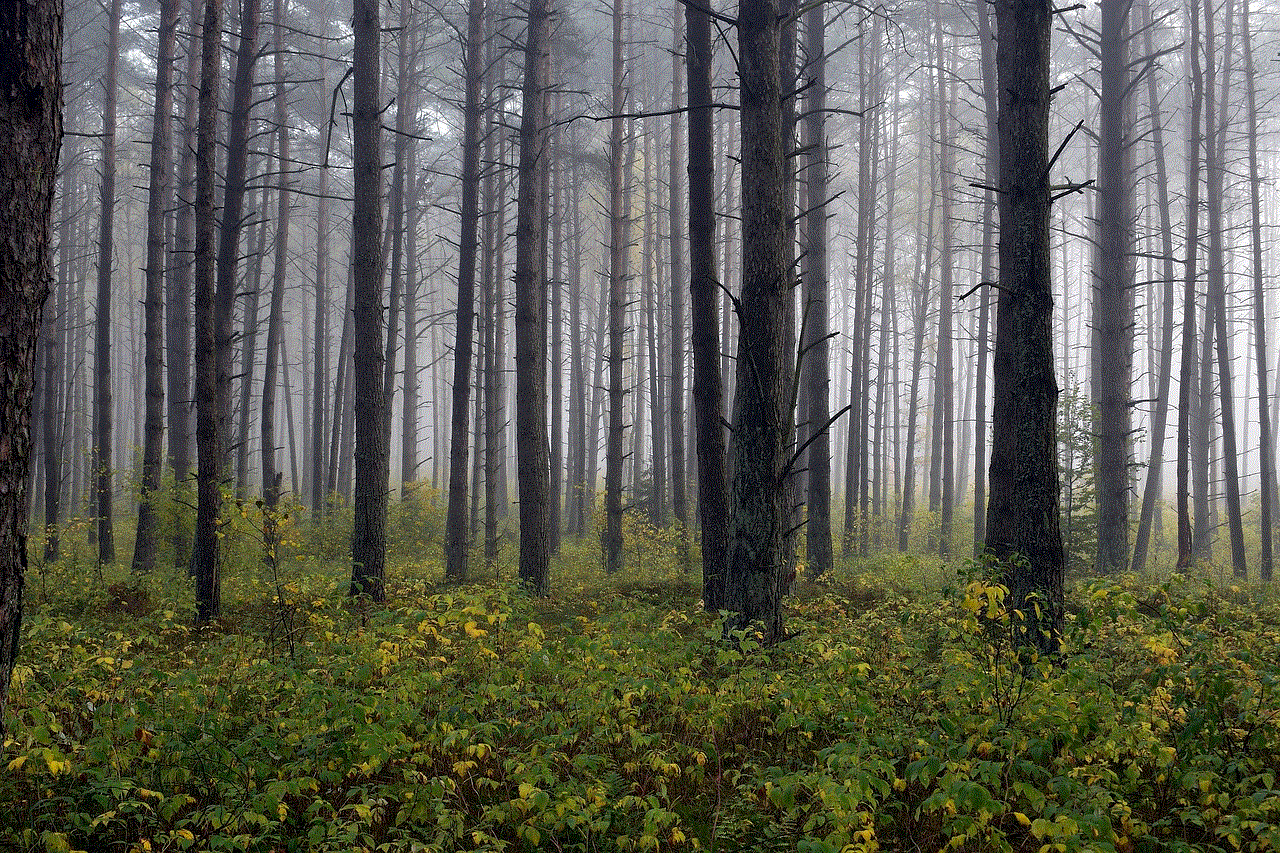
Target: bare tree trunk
[
  {"x": 320, "y": 342},
  {"x": 675, "y": 208},
  {"x": 212, "y": 323},
  {"x": 759, "y": 515},
  {"x": 30, "y": 134},
  {"x": 159, "y": 197},
  {"x": 409, "y": 413},
  {"x": 1214, "y": 167},
  {"x": 275, "y": 318},
  {"x": 1266, "y": 439},
  {"x": 102, "y": 317},
  {"x": 369, "y": 532},
  {"x": 1160, "y": 417},
  {"x": 991, "y": 165},
  {"x": 1189, "y": 369},
  {"x": 944, "y": 378},
  {"x": 530, "y": 286},
  {"x": 619, "y": 252},
  {"x": 1023, "y": 513},
  {"x": 456, "y": 545},
  {"x": 556, "y": 485},
  {"x": 708, "y": 389}
]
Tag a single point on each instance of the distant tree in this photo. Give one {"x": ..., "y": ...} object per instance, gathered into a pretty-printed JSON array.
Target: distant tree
[
  {"x": 30, "y": 136},
  {"x": 1023, "y": 531}
]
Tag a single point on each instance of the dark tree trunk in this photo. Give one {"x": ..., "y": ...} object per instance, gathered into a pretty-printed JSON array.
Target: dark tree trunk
[
  {"x": 456, "y": 543},
  {"x": 369, "y": 532},
  {"x": 991, "y": 165},
  {"x": 816, "y": 352},
  {"x": 1023, "y": 513},
  {"x": 944, "y": 374},
  {"x": 320, "y": 344},
  {"x": 102, "y": 405},
  {"x": 759, "y": 515},
  {"x": 159, "y": 197},
  {"x": 708, "y": 388},
  {"x": 30, "y": 134},
  {"x": 675, "y": 207},
  {"x": 1188, "y": 367},
  {"x": 1114, "y": 283},
  {"x": 619, "y": 253},
  {"x": 212, "y": 325},
  {"x": 275, "y": 318},
  {"x": 556, "y": 485},
  {"x": 530, "y": 286},
  {"x": 1266, "y": 440}
]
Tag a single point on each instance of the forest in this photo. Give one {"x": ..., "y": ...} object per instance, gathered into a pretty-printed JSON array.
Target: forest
[{"x": 475, "y": 425}]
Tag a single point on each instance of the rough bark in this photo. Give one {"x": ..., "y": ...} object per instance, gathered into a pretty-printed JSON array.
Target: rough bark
[
  {"x": 369, "y": 531},
  {"x": 1023, "y": 512},
  {"x": 530, "y": 291},
  {"x": 30, "y": 134},
  {"x": 456, "y": 542}
]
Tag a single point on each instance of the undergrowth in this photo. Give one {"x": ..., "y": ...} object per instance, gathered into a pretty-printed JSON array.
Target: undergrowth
[{"x": 612, "y": 717}]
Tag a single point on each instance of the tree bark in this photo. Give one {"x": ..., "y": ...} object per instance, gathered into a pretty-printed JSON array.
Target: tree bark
[
  {"x": 159, "y": 197},
  {"x": 30, "y": 135},
  {"x": 456, "y": 544},
  {"x": 275, "y": 317},
  {"x": 1188, "y": 365},
  {"x": 531, "y": 368},
  {"x": 369, "y": 531},
  {"x": 675, "y": 208},
  {"x": 1023, "y": 513},
  {"x": 619, "y": 253}
]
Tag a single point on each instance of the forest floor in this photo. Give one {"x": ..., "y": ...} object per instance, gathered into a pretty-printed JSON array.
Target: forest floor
[{"x": 612, "y": 716}]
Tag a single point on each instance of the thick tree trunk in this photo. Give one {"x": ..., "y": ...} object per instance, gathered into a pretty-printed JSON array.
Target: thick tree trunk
[
  {"x": 708, "y": 389},
  {"x": 212, "y": 323},
  {"x": 456, "y": 542},
  {"x": 530, "y": 286},
  {"x": 102, "y": 405},
  {"x": 159, "y": 197},
  {"x": 1023, "y": 513},
  {"x": 30, "y": 134},
  {"x": 369, "y": 531},
  {"x": 759, "y": 515}
]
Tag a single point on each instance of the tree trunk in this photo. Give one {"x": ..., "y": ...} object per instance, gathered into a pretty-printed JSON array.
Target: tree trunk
[
  {"x": 944, "y": 374},
  {"x": 1188, "y": 366},
  {"x": 275, "y": 317},
  {"x": 530, "y": 286},
  {"x": 369, "y": 531},
  {"x": 675, "y": 208},
  {"x": 991, "y": 165},
  {"x": 759, "y": 515},
  {"x": 320, "y": 342},
  {"x": 456, "y": 543},
  {"x": 619, "y": 253},
  {"x": 159, "y": 197},
  {"x": 1023, "y": 513},
  {"x": 30, "y": 134},
  {"x": 708, "y": 388},
  {"x": 212, "y": 325},
  {"x": 102, "y": 316}
]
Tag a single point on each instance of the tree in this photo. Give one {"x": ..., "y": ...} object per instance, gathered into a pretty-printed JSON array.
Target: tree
[
  {"x": 369, "y": 531},
  {"x": 275, "y": 317},
  {"x": 1023, "y": 532},
  {"x": 30, "y": 136},
  {"x": 212, "y": 323},
  {"x": 456, "y": 543},
  {"x": 759, "y": 517},
  {"x": 675, "y": 200},
  {"x": 159, "y": 196},
  {"x": 708, "y": 386},
  {"x": 102, "y": 315},
  {"x": 532, "y": 472},
  {"x": 619, "y": 254}
]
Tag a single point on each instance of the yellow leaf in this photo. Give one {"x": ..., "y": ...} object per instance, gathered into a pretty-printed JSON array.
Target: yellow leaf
[
  {"x": 473, "y": 631},
  {"x": 17, "y": 763},
  {"x": 1022, "y": 819}
]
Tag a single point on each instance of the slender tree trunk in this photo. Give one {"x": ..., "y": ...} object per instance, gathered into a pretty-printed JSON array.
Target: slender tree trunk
[
  {"x": 675, "y": 207},
  {"x": 1266, "y": 439},
  {"x": 619, "y": 252},
  {"x": 1188, "y": 367},
  {"x": 1023, "y": 513},
  {"x": 530, "y": 287},
  {"x": 275, "y": 318},
  {"x": 320, "y": 342},
  {"x": 369, "y": 532},
  {"x": 944, "y": 378},
  {"x": 991, "y": 165},
  {"x": 212, "y": 322},
  {"x": 102, "y": 406},
  {"x": 556, "y": 485},
  {"x": 708, "y": 389},
  {"x": 158, "y": 200},
  {"x": 409, "y": 413},
  {"x": 456, "y": 545}
]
